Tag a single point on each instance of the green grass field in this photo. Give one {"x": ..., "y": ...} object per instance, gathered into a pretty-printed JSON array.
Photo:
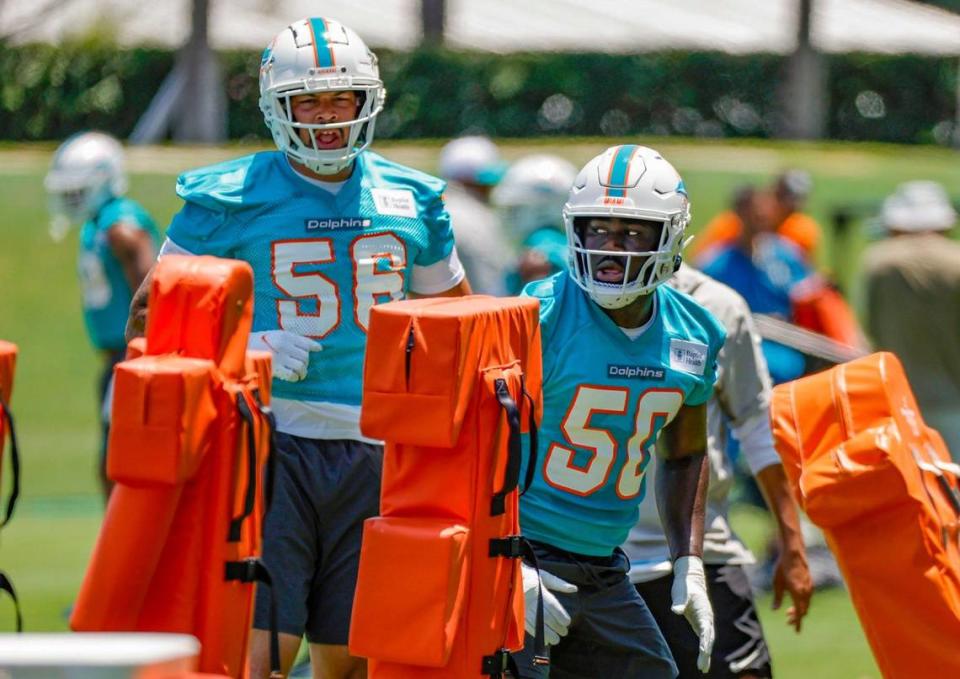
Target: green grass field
[{"x": 46, "y": 546}]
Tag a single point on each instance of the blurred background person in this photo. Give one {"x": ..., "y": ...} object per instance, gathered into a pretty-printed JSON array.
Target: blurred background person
[
  {"x": 789, "y": 194},
  {"x": 764, "y": 268},
  {"x": 739, "y": 408},
  {"x": 774, "y": 277},
  {"x": 912, "y": 298},
  {"x": 530, "y": 199},
  {"x": 472, "y": 166},
  {"x": 85, "y": 185}
]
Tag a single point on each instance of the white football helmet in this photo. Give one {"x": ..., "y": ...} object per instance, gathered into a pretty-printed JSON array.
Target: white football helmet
[
  {"x": 630, "y": 182},
  {"x": 532, "y": 193},
  {"x": 86, "y": 172},
  {"x": 473, "y": 159},
  {"x": 319, "y": 55}
]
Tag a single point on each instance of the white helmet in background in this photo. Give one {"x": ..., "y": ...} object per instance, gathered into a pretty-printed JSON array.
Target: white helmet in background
[
  {"x": 319, "y": 55},
  {"x": 532, "y": 193},
  {"x": 87, "y": 171},
  {"x": 472, "y": 160},
  {"x": 629, "y": 182},
  {"x": 918, "y": 205}
]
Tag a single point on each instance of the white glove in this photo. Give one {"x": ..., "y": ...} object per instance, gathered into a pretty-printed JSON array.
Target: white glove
[
  {"x": 290, "y": 352},
  {"x": 556, "y": 621},
  {"x": 690, "y": 600}
]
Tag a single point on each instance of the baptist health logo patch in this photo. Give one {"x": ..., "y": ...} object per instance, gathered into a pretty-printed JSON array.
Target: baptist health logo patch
[
  {"x": 397, "y": 202},
  {"x": 690, "y": 357}
]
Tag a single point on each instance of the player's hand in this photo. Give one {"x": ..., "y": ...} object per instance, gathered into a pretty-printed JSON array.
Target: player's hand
[
  {"x": 556, "y": 620},
  {"x": 689, "y": 594},
  {"x": 290, "y": 352},
  {"x": 792, "y": 574}
]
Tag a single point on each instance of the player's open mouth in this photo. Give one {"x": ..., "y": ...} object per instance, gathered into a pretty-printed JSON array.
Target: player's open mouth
[
  {"x": 608, "y": 271},
  {"x": 329, "y": 139}
]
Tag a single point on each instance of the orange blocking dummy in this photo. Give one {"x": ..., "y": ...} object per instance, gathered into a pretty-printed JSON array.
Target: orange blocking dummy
[
  {"x": 881, "y": 485},
  {"x": 189, "y": 444},
  {"x": 8, "y": 363},
  {"x": 447, "y": 384}
]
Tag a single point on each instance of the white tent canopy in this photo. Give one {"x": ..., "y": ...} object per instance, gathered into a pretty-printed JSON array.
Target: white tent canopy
[{"x": 735, "y": 26}]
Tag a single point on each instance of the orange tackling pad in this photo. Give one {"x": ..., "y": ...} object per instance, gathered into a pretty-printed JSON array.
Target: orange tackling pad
[
  {"x": 8, "y": 364},
  {"x": 880, "y": 483},
  {"x": 189, "y": 441},
  {"x": 439, "y": 592}
]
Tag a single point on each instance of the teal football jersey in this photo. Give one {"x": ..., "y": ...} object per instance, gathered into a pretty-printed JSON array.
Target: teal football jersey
[
  {"x": 321, "y": 260},
  {"x": 606, "y": 398},
  {"x": 106, "y": 291}
]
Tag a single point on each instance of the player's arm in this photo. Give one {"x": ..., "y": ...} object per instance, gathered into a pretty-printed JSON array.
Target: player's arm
[
  {"x": 743, "y": 391},
  {"x": 461, "y": 289},
  {"x": 133, "y": 248},
  {"x": 137, "y": 319},
  {"x": 438, "y": 272},
  {"x": 443, "y": 278},
  {"x": 682, "y": 478},
  {"x": 792, "y": 573}
]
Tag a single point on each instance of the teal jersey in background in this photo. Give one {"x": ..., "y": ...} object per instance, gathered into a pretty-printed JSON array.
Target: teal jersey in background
[
  {"x": 606, "y": 398},
  {"x": 106, "y": 291},
  {"x": 551, "y": 244},
  {"x": 321, "y": 260}
]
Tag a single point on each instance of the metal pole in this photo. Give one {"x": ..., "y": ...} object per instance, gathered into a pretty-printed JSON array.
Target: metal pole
[
  {"x": 201, "y": 114},
  {"x": 432, "y": 19},
  {"x": 956, "y": 122},
  {"x": 803, "y": 93}
]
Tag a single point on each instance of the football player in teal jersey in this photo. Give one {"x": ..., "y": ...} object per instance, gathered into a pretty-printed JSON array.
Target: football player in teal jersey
[
  {"x": 118, "y": 243},
  {"x": 530, "y": 198},
  {"x": 625, "y": 359},
  {"x": 330, "y": 229}
]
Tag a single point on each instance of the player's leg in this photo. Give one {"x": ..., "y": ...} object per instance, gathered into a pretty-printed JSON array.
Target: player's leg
[
  {"x": 260, "y": 653},
  {"x": 105, "y": 389},
  {"x": 291, "y": 551},
  {"x": 334, "y": 660},
  {"x": 681, "y": 638},
  {"x": 612, "y": 634},
  {"x": 739, "y": 650},
  {"x": 349, "y": 473},
  {"x": 558, "y": 564},
  {"x": 617, "y": 635}
]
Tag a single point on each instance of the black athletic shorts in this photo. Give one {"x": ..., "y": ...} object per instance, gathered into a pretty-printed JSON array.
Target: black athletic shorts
[
  {"x": 612, "y": 633},
  {"x": 311, "y": 544},
  {"x": 739, "y": 647}
]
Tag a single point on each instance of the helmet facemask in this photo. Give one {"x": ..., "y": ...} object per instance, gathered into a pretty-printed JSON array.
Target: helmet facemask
[
  {"x": 277, "y": 108},
  {"x": 642, "y": 270}
]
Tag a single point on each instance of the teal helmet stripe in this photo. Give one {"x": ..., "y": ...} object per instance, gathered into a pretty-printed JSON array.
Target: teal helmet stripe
[
  {"x": 318, "y": 27},
  {"x": 620, "y": 170}
]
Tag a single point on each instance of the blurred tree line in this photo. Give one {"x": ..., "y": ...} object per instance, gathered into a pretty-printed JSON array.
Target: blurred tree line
[
  {"x": 952, "y": 5},
  {"x": 50, "y": 92}
]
